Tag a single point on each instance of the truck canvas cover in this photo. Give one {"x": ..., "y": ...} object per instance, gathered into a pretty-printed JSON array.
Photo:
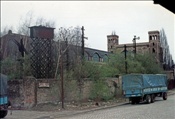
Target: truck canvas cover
[
  {"x": 3, "y": 84},
  {"x": 143, "y": 81}
]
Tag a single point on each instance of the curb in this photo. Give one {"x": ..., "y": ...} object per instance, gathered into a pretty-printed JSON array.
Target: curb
[
  {"x": 171, "y": 92},
  {"x": 101, "y": 108},
  {"x": 91, "y": 110}
]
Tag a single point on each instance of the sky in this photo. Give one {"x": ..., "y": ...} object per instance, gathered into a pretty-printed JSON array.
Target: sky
[{"x": 99, "y": 18}]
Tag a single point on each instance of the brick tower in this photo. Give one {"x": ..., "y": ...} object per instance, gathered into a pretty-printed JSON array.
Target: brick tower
[
  {"x": 154, "y": 45},
  {"x": 113, "y": 41}
]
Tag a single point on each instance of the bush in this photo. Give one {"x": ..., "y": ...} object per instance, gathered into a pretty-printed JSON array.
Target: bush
[
  {"x": 16, "y": 69},
  {"x": 100, "y": 91},
  {"x": 142, "y": 63},
  {"x": 11, "y": 68}
]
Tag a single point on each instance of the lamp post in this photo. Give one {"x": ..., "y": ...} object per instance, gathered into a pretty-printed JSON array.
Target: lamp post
[{"x": 134, "y": 43}]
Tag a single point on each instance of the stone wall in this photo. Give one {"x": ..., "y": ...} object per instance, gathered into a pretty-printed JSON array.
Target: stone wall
[
  {"x": 27, "y": 92},
  {"x": 48, "y": 90},
  {"x": 21, "y": 92},
  {"x": 116, "y": 86},
  {"x": 15, "y": 92}
]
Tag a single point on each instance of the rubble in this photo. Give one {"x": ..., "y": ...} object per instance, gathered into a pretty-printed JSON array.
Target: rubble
[{"x": 76, "y": 105}]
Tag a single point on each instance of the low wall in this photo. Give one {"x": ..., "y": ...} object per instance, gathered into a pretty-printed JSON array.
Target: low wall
[
  {"x": 21, "y": 92},
  {"x": 27, "y": 92},
  {"x": 171, "y": 84}
]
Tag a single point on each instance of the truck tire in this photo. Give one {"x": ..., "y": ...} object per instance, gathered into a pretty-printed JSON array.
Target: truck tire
[
  {"x": 152, "y": 98},
  {"x": 3, "y": 113},
  {"x": 148, "y": 99},
  {"x": 137, "y": 100},
  {"x": 133, "y": 101},
  {"x": 164, "y": 96}
]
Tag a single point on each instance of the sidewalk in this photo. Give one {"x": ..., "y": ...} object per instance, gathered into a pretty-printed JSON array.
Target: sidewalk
[
  {"x": 171, "y": 92},
  {"x": 65, "y": 113}
]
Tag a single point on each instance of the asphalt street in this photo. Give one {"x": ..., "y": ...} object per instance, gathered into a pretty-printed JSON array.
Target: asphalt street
[{"x": 160, "y": 109}]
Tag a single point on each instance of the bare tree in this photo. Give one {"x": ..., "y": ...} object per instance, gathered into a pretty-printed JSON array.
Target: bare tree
[
  {"x": 167, "y": 59},
  {"x": 44, "y": 22},
  {"x": 28, "y": 20},
  {"x": 25, "y": 23},
  {"x": 5, "y": 30},
  {"x": 67, "y": 39}
]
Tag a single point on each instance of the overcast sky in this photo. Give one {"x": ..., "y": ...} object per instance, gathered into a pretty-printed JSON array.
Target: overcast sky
[{"x": 99, "y": 18}]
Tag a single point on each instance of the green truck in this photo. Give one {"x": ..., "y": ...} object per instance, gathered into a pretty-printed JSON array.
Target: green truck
[{"x": 144, "y": 87}]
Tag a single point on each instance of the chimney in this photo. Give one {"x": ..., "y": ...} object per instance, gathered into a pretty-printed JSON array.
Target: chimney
[{"x": 10, "y": 32}]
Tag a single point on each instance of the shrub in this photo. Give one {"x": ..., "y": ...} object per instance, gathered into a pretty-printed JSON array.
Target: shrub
[{"x": 100, "y": 91}]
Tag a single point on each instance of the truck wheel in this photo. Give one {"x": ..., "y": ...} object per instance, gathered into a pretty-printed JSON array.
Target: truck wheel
[
  {"x": 137, "y": 100},
  {"x": 152, "y": 98},
  {"x": 133, "y": 101},
  {"x": 3, "y": 113},
  {"x": 148, "y": 99},
  {"x": 164, "y": 96}
]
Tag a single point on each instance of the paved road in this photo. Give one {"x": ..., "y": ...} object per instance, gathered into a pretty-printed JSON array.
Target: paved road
[{"x": 159, "y": 110}]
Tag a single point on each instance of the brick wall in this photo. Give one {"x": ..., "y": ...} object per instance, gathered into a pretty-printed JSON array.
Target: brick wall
[
  {"x": 25, "y": 93},
  {"x": 48, "y": 90},
  {"x": 15, "y": 92},
  {"x": 21, "y": 92}
]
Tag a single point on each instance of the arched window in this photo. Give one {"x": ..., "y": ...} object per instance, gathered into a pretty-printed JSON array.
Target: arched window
[
  {"x": 87, "y": 56},
  {"x": 153, "y": 44},
  {"x": 96, "y": 57},
  {"x": 155, "y": 37},
  {"x": 105, "y": 58},
  {"x": 153, "y": 50}
]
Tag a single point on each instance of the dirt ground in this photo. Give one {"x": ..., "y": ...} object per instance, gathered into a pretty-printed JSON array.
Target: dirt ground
[{"x": 75, "y": 105}]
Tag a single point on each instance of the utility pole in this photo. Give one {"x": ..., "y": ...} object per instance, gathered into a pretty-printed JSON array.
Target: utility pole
[
  {"x": 67, "y": 56},
  {"x": 125, "y": 59},
  {"x": 62, "y": 80},
  {"x": 134, "y": 43},
  {"x": 83, "y": 41}
]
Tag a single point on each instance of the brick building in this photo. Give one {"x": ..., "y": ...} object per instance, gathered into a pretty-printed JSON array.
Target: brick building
[
  {"x": 10, "y": 49},
  {"x": 43, "y": 51},
  {"x": 153, "y": 45},
  {"x": 9, "y": 45}
]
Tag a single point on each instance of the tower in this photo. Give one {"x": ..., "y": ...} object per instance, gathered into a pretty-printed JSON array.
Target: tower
[
  {"x": 112, "y": 41},
  {"x": 41, "y": 51},
  {"x": 154, "y": 44}
]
